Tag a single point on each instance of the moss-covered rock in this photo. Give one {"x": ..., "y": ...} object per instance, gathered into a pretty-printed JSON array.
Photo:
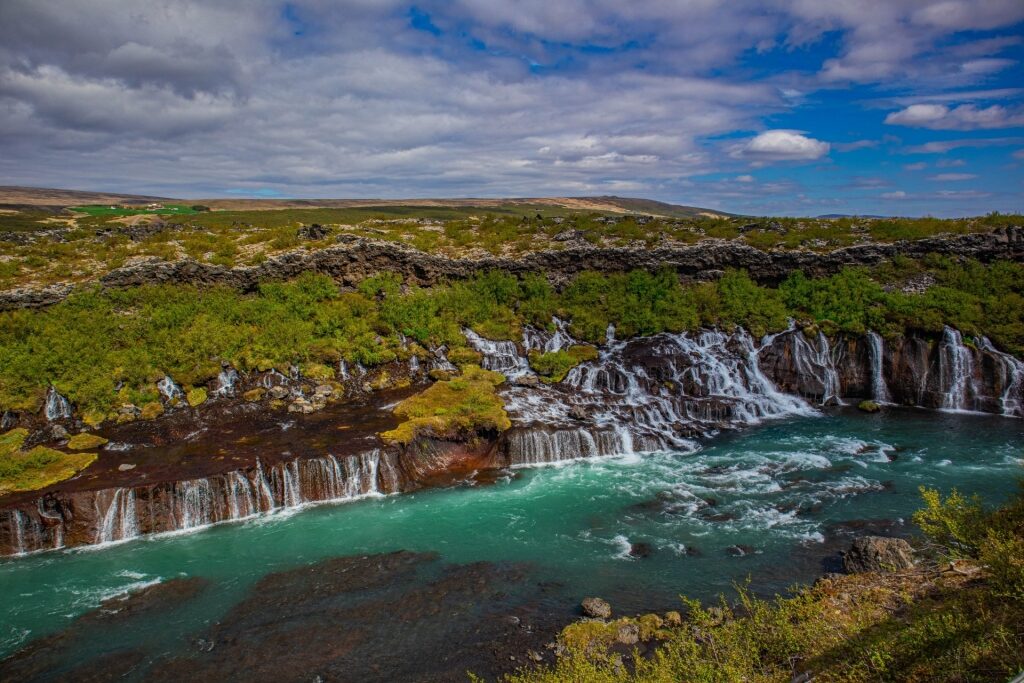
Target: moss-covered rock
[
  {"x": 317, "y": 372},
  {"x": 152, "y": 410},
  {"x": 453, "y": 409},
  {"x": 254, "y": 395},
  {"x": 555, "y": 365},
  {"x": 196, "y": 396},
  {"x": 85, "y": 441},
  {"x": 37, "y": 468},
  {"x": 463, "y": 355},
  {"x": 869, "y": 406}
]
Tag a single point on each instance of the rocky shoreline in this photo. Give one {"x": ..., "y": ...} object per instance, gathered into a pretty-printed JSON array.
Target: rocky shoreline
[
  {"x": 356, "y": 258},
  {"x": 234, "y": 457}
]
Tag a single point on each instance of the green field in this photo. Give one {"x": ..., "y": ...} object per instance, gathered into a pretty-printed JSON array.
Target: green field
[{"x": 104, "y": 210}]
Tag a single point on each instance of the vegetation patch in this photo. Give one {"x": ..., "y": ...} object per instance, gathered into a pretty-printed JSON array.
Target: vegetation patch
[
  {"x": 36, "y": 468},
  {"x": 452, "y": 409},
  {"x": 85, "y": 441},
  {"x": 941, "y": 621},
  {"x": 553, "y": 366}
]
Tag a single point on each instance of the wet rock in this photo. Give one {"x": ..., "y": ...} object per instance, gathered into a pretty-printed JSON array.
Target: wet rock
[
  {"x": 254, "y": 395},
  {"x": 628, "y": 634},
  {"x": 596, "y": 608},
  {"x": 126, "y": 466},
  {"x": 869, "y": 406},
  {"x": 641, "y": 549},
  {"x": 278, "y": 392},
  {"x": 57, "y": 433},
  {"x": 323, "y": 390},
  {"x": 301, "y": 405},
  {"x": 878, "y": 554},
  {"x": 578, "y": 413},
  {"x": 740, "y": 550}
]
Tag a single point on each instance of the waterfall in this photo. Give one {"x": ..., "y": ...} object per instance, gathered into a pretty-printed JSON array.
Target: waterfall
[
  {"x": 57, "y": 407},
  {"x": 500, "y": 356},
  {"x": 815, "y": 360},
  {"x": 879, "y": 390},
  {"x": 16, "y": 522},
  {"x": 343, "y": 370},
  {"x": 414, "y": 365},
  {"x": 120, "y": 521},
  {"x": 226, "y": 382},
  {"x": 644, "y": 395},
  {"x": 168, "y": 389},
  {"x": 548, "y": 342},
  {"x": 1011, "y": 399},
  {"x": 956, "y": 371}
]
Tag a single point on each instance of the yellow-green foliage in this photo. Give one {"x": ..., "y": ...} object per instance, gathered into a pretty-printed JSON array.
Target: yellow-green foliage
[
  {"x": 555, "y": 365},
  {"x": 196, "y": 396},
  {"x": 254, "y": 395},
  {"x": 462, "y": 355},
  {"x": 84, "y": 441},
  {"x": 36, "y": 468},
  {"x": 152, "y": 410},
  {"x": 454, "y": 408},
  {"x": 918, "y": 626},
  {"x": 317, "y": 372}
]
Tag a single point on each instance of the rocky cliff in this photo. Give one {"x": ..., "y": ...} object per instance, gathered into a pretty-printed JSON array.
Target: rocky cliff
[{"x": 354, "y": 259}]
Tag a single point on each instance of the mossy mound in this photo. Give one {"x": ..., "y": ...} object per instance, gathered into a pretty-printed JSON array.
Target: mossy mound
[
  {"x": 85, "y": 441},
  {"x": 869, "y": 406},
  {"x": 37, "y": 468},
  {"x": 452, "y": 409},
  {"x": 555, "y": 365},
  {"x": 196, "y": 396}
]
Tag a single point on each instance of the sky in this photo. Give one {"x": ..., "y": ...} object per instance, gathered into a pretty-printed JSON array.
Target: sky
[{"x": 770, "y": 107}]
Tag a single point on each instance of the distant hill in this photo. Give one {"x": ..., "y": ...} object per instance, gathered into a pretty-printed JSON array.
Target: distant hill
[{"x": 14, "y": 196}]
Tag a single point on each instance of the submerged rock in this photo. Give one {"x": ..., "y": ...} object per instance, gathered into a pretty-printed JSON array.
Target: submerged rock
[
  {"x": 596, "y": 608},
  {"x": 869, "y": 406},
  {"x": 878, "y": 554}
]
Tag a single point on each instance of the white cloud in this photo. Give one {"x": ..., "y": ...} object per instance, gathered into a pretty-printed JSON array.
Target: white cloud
[
  {"x": 781, "y": 145},
  {"x": 916, "y": 166},
  {"x": 744, "y": 179},
  {"x": 898, "y": 194},
  {"x": 962, "y": 117},
  {"x": 952, "y": 177},
  {"x": 1019, "y": 154}
]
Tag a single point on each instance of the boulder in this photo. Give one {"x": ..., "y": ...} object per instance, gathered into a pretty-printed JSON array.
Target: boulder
[
  {"x": 869, "y": 406},
  {"x": 314, "y": 231},
  {"x": 878, "y": 554},
  {"x": 596, "y": 608},
  {"x": 628, "y": 634},
  {"x": 278, "y": 392}
]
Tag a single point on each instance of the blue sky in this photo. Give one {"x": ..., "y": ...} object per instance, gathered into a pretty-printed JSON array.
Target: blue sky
[{"x": 806, "y": 107}]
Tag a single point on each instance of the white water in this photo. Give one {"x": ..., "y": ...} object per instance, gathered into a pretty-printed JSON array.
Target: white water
[
  {"x": 57, "y": 407},
  {"x": 879, "y": 389},
  {"x": 226, "y": 382},
  {"x": 815, "y": 360},
  {"x": 1011, "y": 379},
  {"x": 169, "y": 389},
  {"x": 956, "y": 372},
  {"x": 638, "y": 396}
]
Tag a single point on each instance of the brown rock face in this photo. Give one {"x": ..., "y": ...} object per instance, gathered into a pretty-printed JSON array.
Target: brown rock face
[
  {"x": 878, "y": 554},
  {"x": 356, "y": 258}
]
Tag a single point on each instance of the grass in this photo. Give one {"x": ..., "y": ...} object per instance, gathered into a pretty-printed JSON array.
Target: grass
[
  {"x": 36, "y": 468},
  {"x": 941, "y": 621},
  {"x": 107, "y": 210},
  {"x": 96, "y": 340},
  {"x": 94, "y": 240},
  {"x": 553, "y": 366},
  {"x": 452, "y": 409}
]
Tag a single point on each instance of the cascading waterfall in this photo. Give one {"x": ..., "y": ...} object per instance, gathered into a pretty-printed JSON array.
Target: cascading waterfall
[
  {"x": 956, "y": 372},
  {"x": 639, "y": 395},
  {"x": 226, "y": 382},
  {"x": 169, "y": 389},
  {"x": 879, "y": 389},
  {"x": 236, "y": 495},
  {"x": 815, "y": 360},
  {"x": 57, "y": 407},
  {"x": 120, "y": 521},
  {"x": 1011, "y": 379}
]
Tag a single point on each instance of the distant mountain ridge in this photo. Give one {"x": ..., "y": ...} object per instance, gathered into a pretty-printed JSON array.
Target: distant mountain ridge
[{"x": 57, "y": 198}]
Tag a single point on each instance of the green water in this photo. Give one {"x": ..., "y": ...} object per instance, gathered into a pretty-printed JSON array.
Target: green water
[{"x": 778, "y": 492}]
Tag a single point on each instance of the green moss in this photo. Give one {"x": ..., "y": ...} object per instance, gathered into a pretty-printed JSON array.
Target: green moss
[
  {"x": 196, "y": 396},
  {"x": 869, "y": 406},
  {"x": 318, "y": 372},
  {"x": 36, "y": 468},
  {"x": 152, "y": 410},
  {"x": 463, "y": 355},
  {"x": 555, "y": 365},
  {"x": 85, "y": 441},
  {"x": 254, "y": 395},
  {"x": 452, "y": 409}
]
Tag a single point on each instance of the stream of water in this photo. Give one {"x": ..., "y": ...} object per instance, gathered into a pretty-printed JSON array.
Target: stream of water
[{"x": 769, "y": 503}]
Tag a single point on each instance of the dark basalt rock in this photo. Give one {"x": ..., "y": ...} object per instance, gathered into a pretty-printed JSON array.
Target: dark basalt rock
[
  {"x": 878, "y": 554},
  {"x": 354, "y": 259},
  {"x": 641, "y": 549}
]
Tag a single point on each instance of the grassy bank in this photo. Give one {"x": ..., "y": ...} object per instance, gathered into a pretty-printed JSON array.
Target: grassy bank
[
  {"x": 95, "y": 240},
  {"x": 98, "y": 340},
  {"x": 956, "y": 617}
]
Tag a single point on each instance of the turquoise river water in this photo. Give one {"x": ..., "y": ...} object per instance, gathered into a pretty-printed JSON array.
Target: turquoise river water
[{"x": 770, "y": 503}]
